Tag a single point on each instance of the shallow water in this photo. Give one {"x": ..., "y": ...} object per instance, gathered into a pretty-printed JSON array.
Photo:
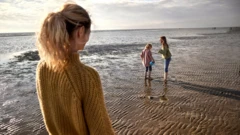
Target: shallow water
[{"x": 204, "y": 71}]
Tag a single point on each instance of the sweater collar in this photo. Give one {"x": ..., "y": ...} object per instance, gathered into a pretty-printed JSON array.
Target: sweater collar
[{"x": 74, "y": 57}]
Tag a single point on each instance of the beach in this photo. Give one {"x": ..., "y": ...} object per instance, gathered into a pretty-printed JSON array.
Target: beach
[{"x": 202, "y": 96}]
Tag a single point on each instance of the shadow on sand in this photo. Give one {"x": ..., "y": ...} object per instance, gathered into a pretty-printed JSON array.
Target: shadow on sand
[{"x": 216, "y": 91}]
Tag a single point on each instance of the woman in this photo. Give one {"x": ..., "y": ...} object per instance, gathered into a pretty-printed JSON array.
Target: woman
[
  {"x": 166, "y": 55},
  {"x": 69, "y": 92}
]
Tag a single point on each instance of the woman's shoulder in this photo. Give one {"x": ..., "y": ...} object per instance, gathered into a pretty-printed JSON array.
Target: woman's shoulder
[
  {"x": 41, "y": 69},
  {"x": 91, "y": 72},
  {"x": 41, "y": 65}
]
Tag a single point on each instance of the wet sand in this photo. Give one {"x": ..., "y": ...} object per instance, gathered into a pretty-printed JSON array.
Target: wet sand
[{"x": 202, "y": 96}]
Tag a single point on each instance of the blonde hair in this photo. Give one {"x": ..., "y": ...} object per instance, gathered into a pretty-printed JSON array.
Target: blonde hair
[
  {"x": 148, "y": 46},
  {"x": 57, "y": 29}
]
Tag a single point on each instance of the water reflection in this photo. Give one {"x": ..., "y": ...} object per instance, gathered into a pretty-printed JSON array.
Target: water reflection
[
  {"x": 147, "y": 90},
  {"x": 164, "y": 98},
  {"x": 149, "y": 94},
  {"x": 147, "y": 83}
]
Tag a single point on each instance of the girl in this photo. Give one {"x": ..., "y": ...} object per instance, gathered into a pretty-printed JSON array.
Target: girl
[
  {"x": 146, "y": 59},
  {"x": 69, "y": 93},
  {"x": 166, "y": 55}
]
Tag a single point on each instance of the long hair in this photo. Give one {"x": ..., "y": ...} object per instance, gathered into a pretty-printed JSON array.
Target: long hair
[
  {"x": 164, "y": 41},
  {"x": 57, "y": 29}
]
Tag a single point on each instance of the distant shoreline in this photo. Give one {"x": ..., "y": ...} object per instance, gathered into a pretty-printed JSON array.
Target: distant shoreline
[
  {"x": 6, "y": 34},
  {"x": 33, "y": 33}
]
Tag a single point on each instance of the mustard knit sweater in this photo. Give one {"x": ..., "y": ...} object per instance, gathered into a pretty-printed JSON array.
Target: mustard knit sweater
[{"x": 71, "y": 100}]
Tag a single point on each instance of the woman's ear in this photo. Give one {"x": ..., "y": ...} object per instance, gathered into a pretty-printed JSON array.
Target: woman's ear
[{"x": 81, "y": 32}]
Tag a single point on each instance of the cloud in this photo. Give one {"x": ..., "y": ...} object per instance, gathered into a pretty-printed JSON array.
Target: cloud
[
  {"x": 24, "y": 15},
  {"x": 170, "y": 13}
]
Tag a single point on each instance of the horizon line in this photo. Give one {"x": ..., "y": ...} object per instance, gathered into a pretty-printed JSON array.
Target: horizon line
[{"x": 137, "y": 29}]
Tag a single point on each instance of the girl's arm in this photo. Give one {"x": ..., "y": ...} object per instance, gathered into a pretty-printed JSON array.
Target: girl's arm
[
  {"x": 163, "y": 51},
  {"x": 150, "y": 54},
  {"x": 141, "y": 55}
]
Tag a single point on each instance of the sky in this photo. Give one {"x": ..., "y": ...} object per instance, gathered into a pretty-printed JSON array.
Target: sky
[{"x": 26, "y": 15}]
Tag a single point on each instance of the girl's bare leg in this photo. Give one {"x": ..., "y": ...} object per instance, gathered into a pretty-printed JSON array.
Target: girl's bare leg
[
  {"x": 165, "y": 77},
  {"x": 149, "y": 75}
]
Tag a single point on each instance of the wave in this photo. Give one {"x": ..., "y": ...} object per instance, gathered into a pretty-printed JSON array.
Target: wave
[
  {"x": 231, "y": 30},
  {"x": 189, "y": 37},
  {"x": 33, "y": 55},
  {"x": 17, "y": 34}
]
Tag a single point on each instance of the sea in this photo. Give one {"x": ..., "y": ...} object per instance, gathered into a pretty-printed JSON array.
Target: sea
[{"x": 19, "y": 57}]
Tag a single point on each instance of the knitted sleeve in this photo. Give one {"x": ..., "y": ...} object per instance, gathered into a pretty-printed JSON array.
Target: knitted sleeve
[
  {"x": 95, "y": 112},
  {"x": 39, "y": 75}
]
